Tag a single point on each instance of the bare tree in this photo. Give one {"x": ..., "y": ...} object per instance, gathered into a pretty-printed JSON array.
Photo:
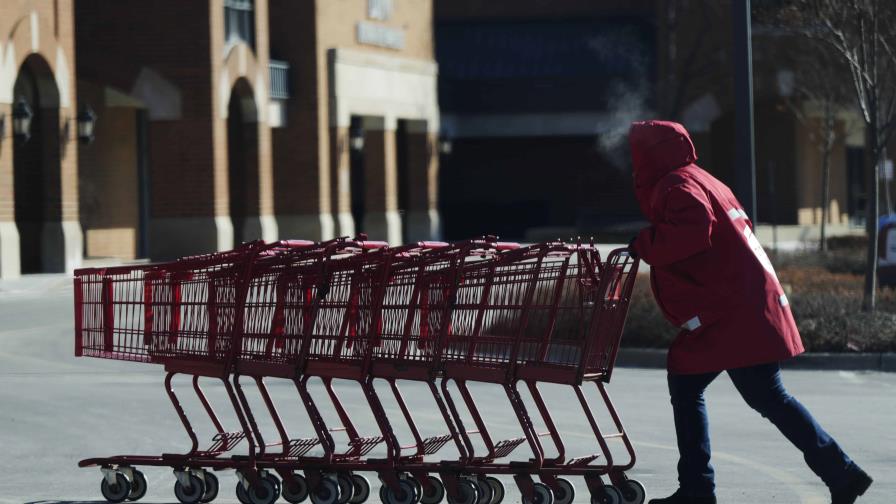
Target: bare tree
[{"x": 861, "y": 33}]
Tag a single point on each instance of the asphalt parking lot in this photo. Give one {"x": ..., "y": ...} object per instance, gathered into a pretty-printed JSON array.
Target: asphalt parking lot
[{"x": 56, "y": 409}]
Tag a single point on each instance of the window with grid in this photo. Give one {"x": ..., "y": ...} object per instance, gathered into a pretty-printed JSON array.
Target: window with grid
[{"x": 239, "y": 21}]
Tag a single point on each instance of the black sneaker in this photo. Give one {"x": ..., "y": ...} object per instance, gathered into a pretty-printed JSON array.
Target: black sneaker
[
  {"x": 679, "y": 497},
  {"x": 858, "y": 483}
]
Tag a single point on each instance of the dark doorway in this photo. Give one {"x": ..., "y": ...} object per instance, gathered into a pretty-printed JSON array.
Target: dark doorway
[
  {"x": 357, "y": 183},
  {"x": 36, "y": 168},
  {"x": 402, "y": 158},
  {"x": 857, "y": 196},
  {"x": 242, "y": 158}
]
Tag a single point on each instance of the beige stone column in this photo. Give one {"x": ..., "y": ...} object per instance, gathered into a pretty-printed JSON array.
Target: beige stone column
[
  {"x": 9, "y": 234},
  {"x": 340, "y": 175},
  {"x": 381, "y": 218}
]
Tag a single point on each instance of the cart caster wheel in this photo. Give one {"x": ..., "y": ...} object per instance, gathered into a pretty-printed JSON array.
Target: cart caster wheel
[
  {"x": 360, "y": 489},
  {"x": 190, "y": 495},
  {"x": 468, "y": 493},
  {"x": 633, "y": 492},
  {"x": 241, "y": 494},
  {"x": 118, "y": 491},
  {"x": 211, "y": 487},
  {"x": 543, "y": 495},
  {"x": 346, "y": 487},
  {"x": 611, "y": 496},
  {"x": 485, "y": 491},
  {"x": 406, "y": 494},
  {"x": 138, "y": 486},
  {"x": 435, "y": 494},
  {"x": 497, "y": 489},
  {"x": 327, "y": 492},
  {"x": 565, "y": 493},
  {"x": 418, "y": 489},
  {"x": 259, "y": 493},
  {"x": 275, "y": 482},
  {"x": 298, "y": 492}
]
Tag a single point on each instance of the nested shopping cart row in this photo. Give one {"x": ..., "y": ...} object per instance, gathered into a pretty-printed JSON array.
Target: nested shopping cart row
[{"x": 441, "y": 315}]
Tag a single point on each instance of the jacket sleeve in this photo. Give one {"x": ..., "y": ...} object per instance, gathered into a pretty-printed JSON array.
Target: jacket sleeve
[{"x": 683, "y": 227}]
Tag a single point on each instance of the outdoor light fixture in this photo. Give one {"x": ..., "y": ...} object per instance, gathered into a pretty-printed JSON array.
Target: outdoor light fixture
[
  {"x": 21, "y": 121},
  {"x": 86, "y": 125},
  {"x": 356, "y": 139},
  {"x": 445, "y": 145}
]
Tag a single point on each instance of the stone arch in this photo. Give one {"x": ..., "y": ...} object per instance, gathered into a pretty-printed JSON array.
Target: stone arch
[
  {"x": 240, "y": 63},
  {"x": 242, "y": 161},
  {"x": 32, "y": 34}
]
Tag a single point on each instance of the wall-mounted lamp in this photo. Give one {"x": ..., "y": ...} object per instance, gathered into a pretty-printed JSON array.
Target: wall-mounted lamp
[
  {"x": 446, "y": 146},
  {"x": 21, "y": 121},
  {"x": 356, "y": 139},
  {"x": 86, "y": 125}
]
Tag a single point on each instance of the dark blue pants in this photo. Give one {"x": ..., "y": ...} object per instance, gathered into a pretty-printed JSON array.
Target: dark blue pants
[{"x": 762, "y": 389}]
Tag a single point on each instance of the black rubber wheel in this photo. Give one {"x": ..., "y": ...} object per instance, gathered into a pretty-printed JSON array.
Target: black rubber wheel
[
  {"x": 468, "y": 493},
  {"x": 138, "y": 486},
  {"x": 418, "y": 489},
  {"x": 346, "y": 487},
  {"x": 190, "y": 495},
  {"x": 211, "y": 487},
  {"x": 497, "y": 489},
  {"x": 275, "y": 482},
  {"x": 261, "y": 492},
  {"x": 297, "y": 491},
  {"x": 566, "y": 493},
  {"x": 327, "y": 492},
  {"x": 406, "y": 494},
  {"x": 633, "y": 492},
  {"x": 118, "y": 491},
  {"x": 485, "y": 491},
  {"x": 361, "y": 489},
  {"x": 435, "y": 494},
  {"x": 543, "y": 495},
  {"x": 241, "y": 494},
  {"x": 611, "y": 496}
]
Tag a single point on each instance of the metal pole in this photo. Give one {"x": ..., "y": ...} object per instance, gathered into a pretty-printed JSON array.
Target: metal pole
[{"x": 744, "y": 164}]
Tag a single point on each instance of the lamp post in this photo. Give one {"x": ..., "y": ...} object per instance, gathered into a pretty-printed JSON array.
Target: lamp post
[
  {"x": 744, "y": 163},
  {"x": 21, "y": 121}
]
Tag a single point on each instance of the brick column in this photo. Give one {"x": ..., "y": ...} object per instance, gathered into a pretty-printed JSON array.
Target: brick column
[
  {"x": 423, "y": 221},
  {"x": 9, "y": 233},
  {"x": 381, "y": 218}
]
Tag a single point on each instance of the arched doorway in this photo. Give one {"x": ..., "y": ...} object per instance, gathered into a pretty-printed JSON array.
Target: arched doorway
[
  {"x": 242, "y": 161},
  {"x": 37, "y": 170}
]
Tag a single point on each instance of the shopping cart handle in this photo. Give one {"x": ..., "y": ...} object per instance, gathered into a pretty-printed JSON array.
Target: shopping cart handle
[
  {"x": 294, "y": 243},
  {"x": 507, "y": 245},
  {"x": 432, "y": 244},
  {"x": 372, "y": 245}
]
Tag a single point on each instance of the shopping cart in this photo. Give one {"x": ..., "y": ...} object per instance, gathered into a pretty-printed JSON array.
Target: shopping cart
[
  {"x": 183, "y": 315},
  {"x": 431, "y": 312}
]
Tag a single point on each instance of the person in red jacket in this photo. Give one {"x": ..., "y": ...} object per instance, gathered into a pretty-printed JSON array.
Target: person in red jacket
[{"x": 711, "y": 277}]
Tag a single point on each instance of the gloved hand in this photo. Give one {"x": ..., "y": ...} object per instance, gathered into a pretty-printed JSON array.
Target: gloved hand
[{"x": 631, "y": 247}]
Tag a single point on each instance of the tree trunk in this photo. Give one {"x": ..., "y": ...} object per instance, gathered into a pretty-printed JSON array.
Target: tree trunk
[{"x": 870, "y": 291}]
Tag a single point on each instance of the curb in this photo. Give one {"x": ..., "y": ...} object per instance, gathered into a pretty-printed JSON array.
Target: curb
[{"x": 653, "y": 358}]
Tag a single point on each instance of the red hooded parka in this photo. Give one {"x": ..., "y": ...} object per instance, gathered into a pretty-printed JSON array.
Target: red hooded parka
[{"x": 708, "y": 272}]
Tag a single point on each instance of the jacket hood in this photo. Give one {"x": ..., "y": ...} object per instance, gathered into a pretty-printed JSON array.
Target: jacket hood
[{"x": 658, "y": 147}]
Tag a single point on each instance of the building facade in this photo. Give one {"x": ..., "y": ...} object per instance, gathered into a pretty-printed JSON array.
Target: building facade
[
  {"x": 39, "y": 224},
  {"x": 358, "y": 148},
  {"x": 537, "y": 97}
]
